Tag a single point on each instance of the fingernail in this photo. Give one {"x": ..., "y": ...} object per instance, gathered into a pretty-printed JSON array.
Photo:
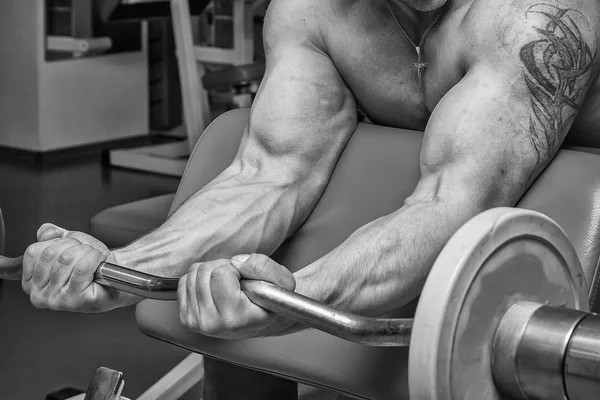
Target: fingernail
[
  {"x": 48, "y": 233},
  {"x": 241, "y": 257}
]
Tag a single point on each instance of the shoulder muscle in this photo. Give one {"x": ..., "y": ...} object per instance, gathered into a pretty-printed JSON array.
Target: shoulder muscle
[
  {"x": 546, "y": 51},
  {"x": 293, "y": 22}
]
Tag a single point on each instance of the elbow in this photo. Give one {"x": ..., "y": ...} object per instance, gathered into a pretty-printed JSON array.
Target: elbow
[
  {"x": 465, "y": 196},
  {"x": 280, "y": 174}
]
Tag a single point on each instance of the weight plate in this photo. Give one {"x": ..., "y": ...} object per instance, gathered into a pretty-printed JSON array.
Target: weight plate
[{"x": 500, "y": 257}]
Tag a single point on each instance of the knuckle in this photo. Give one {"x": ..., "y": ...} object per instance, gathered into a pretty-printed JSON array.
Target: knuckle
[
  {"x": 183, "y": 322},
  {"x": 38, "y": 300},
  {"x": 182, "y": 285},
  {"x": 218, "y": 272},
  {"x": 81, "y": 275},
  {"x": 26, "y": 286},
  {"x": 190, "y": 284},
  {"x": 47, "y": 255},
  {"x": 200, "y": 324},
  {"x": 194, "y": 267},
  {"x": 89, "y": 248},
  {"x": 54, "y": 303},
  {"x": 230, "y": 323},
  {"x": 182, "y": 314},
  {"x": 80, "y": 270},
  {"x": 70, "y": 295},
  {"x": 32, "y": 251},
  {"x": 65, "y": 258},
  {"x": 210, "y": 329},
  {"x": 190, "y": 322}
]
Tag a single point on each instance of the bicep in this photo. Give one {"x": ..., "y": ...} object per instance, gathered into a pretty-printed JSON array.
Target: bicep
[
  {"x": 303, "y": 113},
  {"x": 495, "y": 131},
  {"x": 477, "y": 146}
]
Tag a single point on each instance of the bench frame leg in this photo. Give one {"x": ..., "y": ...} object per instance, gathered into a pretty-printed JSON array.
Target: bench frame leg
[{"x": 178, "y": 381}]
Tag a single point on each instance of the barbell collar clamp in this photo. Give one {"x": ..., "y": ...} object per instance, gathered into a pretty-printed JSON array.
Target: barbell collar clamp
[{"x": 530, "y": 351}]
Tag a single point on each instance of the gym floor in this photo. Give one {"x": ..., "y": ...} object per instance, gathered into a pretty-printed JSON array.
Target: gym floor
[{"x": 42, "y": 350}]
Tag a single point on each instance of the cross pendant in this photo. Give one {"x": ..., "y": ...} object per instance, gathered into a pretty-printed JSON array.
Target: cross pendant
[{"x": 421, "y": 66}]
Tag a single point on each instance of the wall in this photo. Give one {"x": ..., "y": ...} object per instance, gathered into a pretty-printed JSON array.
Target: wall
[
  {"x": 20, "y": 50},
  {"x": 93, "y": 100},
  {"x": 61, "y": 104}
]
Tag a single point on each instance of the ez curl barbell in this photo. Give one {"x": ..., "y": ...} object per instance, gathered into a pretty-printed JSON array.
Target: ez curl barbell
[{"x": 504, "y": 314}]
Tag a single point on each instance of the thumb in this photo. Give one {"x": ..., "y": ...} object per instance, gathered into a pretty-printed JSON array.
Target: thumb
[
  {"x": 262, "y": 268},
  {"x": 49, "y": 232}
]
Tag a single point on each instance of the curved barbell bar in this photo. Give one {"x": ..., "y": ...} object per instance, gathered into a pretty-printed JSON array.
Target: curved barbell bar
[
  {"x": 355, "y": 328},
  {"x": 352, "y": 327},
  {"x": 533, "y": 343},
  {"x": 518, "y": 352}
]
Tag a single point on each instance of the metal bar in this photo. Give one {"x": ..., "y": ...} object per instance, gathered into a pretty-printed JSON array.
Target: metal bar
[
  {"x": 582, "y": 361},
  {"x": 355, "y": 328},
  {"x": 128, "y": 2},
  {"x": 369, "y": 331},
  {"x": 196, "y": 108},
  {"x": 177, "y": 381},
  {"x": 2, "y": 234},
  {"x": 79, "y": 46},
  {"x": 136, "y": 282}
]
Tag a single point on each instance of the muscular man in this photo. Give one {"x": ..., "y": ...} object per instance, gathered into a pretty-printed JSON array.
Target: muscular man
[{"x": 496, "y": 85}]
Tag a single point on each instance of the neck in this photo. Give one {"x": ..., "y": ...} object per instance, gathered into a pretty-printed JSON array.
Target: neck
[{"x": 411, "y": 18}]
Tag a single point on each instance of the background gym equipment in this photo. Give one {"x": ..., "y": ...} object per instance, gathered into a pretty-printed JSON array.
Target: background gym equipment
[
  {"x": 136, "y": 10},
  {"x": 33, "y": 78},
  {"x": 504, "y": 312},
  {"x": 240, "y": 82},
  {"x": 2, "y": 234},
  {"x": 171, "y": 158},
  {"x": 77, "y": 46}
]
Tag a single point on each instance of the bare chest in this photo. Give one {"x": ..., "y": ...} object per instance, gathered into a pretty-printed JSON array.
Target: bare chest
[{"x": 392, "y": 84}]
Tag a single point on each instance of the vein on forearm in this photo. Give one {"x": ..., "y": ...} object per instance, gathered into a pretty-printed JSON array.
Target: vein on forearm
[
  {"x": 383, "y": 265},
  {"x": 234, "y": 214}
]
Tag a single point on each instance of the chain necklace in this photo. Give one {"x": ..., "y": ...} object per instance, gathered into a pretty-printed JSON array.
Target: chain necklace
[{"x": 420, "y": 65}]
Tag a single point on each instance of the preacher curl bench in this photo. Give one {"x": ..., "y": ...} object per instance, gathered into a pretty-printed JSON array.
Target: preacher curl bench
[
  {"x": 376, "y": 172},
  {"x": 504, "y": 312}
]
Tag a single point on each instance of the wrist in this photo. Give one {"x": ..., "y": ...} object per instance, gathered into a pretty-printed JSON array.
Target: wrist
[
  {"x": 120, "y": 299},
  {"x": 281, "y": 326},
  {"x": 307, "y": 283},
  {"x": 160, "y": 257},
  {"x": 126, "y": 258}
]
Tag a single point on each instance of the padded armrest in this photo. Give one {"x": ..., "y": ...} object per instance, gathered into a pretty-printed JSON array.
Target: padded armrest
[
  {"x": 359, "y": 192},
  {"x": 568, "y": 191},
  {"x": 378, "y": 169}
]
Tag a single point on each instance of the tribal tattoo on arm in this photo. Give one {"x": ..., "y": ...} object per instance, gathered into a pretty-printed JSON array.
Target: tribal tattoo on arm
[{"x": 558, "y": 71}]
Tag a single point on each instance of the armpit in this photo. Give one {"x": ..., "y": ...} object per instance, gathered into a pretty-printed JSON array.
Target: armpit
[{"x": 558, "y": 65}]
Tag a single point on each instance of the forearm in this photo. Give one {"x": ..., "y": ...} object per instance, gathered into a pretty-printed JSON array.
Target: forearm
[
  {"x": 383, "y": 265},
  {"x": 239, "y": 212}
]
